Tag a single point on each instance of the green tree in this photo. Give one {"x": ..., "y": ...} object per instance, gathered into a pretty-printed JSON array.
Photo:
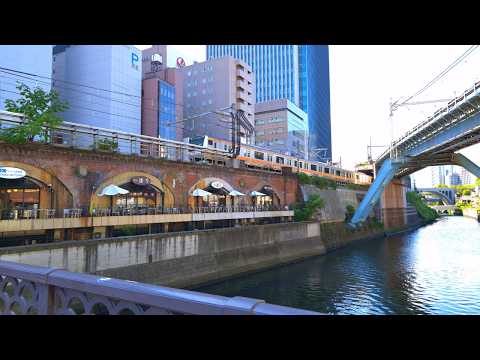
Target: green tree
[
  {"x": 304, "y": 212},
  {"x": 40, "y": 109},
  {"x": 466, "y": 192}
]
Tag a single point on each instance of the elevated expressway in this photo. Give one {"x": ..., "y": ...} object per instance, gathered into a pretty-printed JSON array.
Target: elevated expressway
[{"x": 433, "y": 142}]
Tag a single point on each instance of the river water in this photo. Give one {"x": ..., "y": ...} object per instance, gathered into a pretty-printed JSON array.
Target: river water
[{"x": 432, "y": 270}]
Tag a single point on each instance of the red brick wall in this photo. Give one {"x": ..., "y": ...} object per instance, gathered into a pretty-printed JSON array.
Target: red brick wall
[{"x": 65, "y": 164}]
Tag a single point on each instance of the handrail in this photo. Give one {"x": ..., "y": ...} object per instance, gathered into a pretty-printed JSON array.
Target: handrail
[
  {"x": 29, "y": 289},
  {"x": 22, "y": 214},
  {"x": 451, "y": 105}
]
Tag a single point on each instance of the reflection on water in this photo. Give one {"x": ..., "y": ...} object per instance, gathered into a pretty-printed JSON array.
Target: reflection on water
[{"x": 433, "y": 270}]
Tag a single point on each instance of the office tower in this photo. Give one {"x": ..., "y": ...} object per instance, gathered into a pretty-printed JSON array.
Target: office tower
[
  {"x": 19, "y": 63},
  {"x": 466, "y": 178},
  {"x": 281, "y": 126},
  {"x": 438, "y": 175},
  {"x": 213, "y": 85},
  {"x": 102, "y": 84},
  {"x": 299, "y": 73}
]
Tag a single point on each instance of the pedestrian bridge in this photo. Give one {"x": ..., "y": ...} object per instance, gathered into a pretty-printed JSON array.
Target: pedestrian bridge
[{"x": 433, "y": 142}]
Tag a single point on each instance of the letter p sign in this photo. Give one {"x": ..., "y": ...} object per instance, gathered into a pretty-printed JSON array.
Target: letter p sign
[{"x": 134, "y": 58}]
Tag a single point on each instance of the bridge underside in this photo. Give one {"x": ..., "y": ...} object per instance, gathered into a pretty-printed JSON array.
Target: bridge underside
[{"x": 434, "y": 142}]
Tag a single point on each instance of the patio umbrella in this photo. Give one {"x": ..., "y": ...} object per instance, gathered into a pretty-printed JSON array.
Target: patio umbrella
[
  {"x": 200, "y": 193},
  {"x": 112, "y": 190},
  {"x": 255, "y": 194},
  {"x": 234, "y": 193}
]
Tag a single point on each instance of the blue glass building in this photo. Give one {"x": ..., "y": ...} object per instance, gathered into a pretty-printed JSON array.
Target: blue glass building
[
  {"x": 31, "y": 59},
  {"x": 167, "y": 111},
  {"x": 299, "y": 73}
]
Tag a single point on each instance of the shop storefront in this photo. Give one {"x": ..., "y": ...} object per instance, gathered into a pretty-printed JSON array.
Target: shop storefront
[
  {"x": 142, "y": 194},
  {"x": 219, "y": 194},
  {"x": 20, "y": 195},
  {"x": 270, "y": 199}
]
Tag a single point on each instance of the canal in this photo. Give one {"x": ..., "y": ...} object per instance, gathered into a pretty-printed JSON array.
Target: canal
[{"x": 432, "y": 270}]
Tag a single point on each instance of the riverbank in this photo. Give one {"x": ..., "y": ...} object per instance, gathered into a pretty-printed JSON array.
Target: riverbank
[
  {"x": 186, "y": 259},
  {"x": 471, "y": 213},
  {"x": 431, "y": 270}
]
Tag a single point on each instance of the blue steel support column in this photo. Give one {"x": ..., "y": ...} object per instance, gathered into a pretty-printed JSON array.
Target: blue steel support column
[
  {"x": 384, "y": 176},
  {"x": 466, "y": 163}
]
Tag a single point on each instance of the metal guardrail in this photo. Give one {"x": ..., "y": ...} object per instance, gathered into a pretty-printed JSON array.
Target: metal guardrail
[
  {"x": 452, "y": 104},
  {"x": 99, "y": 212},
  {"x": 72, "y": 135},
  {"x": 35, "y": 290}
]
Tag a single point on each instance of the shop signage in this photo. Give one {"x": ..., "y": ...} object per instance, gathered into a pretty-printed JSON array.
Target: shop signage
[
  {"x": 11, "y": 173},
  {"x": 217, "y": 184},
  {"x": 141, "y": 180},
  {"x": 267, "y": 188}
]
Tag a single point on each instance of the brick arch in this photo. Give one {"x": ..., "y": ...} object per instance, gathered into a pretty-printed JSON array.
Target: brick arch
[
  {"x": 261, "y": 184},
  {"x": 63, "y": 197},
  {"x": 122, "y": 178},
  {"x": 203, "y": 183}
]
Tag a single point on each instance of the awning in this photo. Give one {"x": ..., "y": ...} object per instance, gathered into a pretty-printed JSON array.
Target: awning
[
  {"x": 220, "y": 191},
  {"x": 268, "y": 190},
  {"x": 133, "y": 188},
  {"x": 235, "y": 193}
]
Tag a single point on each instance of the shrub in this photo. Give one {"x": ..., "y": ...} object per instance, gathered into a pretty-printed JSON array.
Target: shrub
[
  {"x": 304, "y": 212},
  {"x": 106, "y": 145},
  {"x": 423, "y": 210}
]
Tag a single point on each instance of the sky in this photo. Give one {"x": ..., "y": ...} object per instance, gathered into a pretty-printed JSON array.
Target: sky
[{"x": 364, "y": 79}]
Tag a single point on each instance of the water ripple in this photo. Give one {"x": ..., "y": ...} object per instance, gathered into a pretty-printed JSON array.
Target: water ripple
[{"x": 434, "y": 270}]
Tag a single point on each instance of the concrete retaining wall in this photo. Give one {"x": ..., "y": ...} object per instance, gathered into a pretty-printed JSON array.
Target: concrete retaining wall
[
  {"x": 336, "y": 201},
  {"x": 471, "y": 213},
  {"x": 190, "y": 258}
]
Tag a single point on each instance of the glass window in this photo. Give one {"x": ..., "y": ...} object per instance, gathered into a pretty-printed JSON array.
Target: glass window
[
  {"x": 210, "y": 101},
  {"x": 189, "y": 73}
]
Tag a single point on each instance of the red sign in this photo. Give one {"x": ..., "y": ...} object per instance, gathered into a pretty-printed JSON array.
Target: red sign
[{"x": 180, "y": 62}]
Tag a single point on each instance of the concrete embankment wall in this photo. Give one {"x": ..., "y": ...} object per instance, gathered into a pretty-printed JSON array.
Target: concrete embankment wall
[
  {"x": 191, "y": 258},
  {"x": 336, "y": 201},
  {"x": 471, "y": 213}
]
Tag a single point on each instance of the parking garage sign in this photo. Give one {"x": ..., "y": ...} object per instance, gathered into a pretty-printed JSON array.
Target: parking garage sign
[{"x": 11, "y": 173}]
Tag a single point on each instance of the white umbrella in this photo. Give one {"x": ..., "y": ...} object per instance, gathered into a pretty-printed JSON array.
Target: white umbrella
[
  {"x": 257, "y": 193},
  {"x": 112, "y": 190},
  {"x": 235, "y": 193},
  {"x": 200, "y": 193}
]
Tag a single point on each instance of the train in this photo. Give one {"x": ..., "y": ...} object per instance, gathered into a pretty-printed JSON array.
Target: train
[{"x": 255, "y": 157}]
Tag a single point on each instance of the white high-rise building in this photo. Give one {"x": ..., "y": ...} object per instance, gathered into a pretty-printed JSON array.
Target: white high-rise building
[{"x": 102, "y": 84}]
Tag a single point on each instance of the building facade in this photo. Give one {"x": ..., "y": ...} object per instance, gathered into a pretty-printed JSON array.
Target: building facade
[
  {"x": 101, "y": 83},
  {"x": 162, "y": 96},
  {"x": 213, "y": 85},
  {"x": 281, "y": 126},
  {"x": 299, "y": 73},
  {"x": 30, "y": 59},
  {"x": 451, "y": 175}
]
